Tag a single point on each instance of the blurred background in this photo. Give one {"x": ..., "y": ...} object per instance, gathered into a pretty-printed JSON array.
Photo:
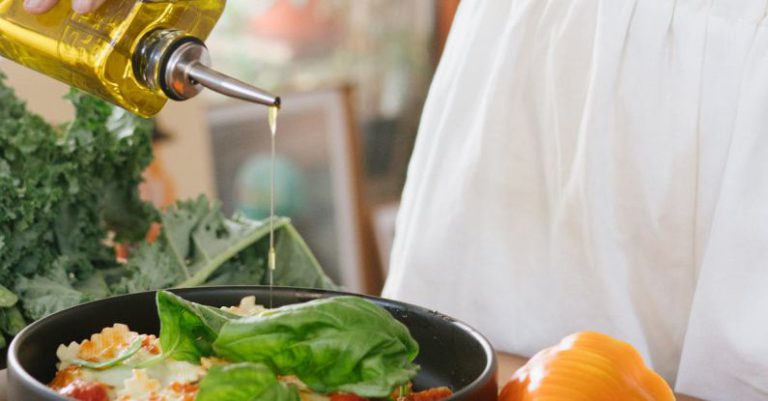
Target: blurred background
[{"x": 353, "y": 76}]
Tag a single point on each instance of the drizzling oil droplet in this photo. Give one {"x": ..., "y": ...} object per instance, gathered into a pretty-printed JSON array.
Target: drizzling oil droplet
[
  {"x": 272, "y": 256},
  {"x": 272, "y": 259},
  {"x": 272, "y": 118}
]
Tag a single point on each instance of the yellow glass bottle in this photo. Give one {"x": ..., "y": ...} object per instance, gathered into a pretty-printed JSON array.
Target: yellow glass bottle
[{"x": 134, "y": 53}]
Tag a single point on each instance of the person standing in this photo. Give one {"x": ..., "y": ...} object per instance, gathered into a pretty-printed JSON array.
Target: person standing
[{"x": 599, "y": 165}]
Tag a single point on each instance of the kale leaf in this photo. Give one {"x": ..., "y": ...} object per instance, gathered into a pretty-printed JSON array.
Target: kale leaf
[
  {"x": 68, "y": 193},
  {"x": 198, "y": 245},
  {"x": 65, "y": 190}
]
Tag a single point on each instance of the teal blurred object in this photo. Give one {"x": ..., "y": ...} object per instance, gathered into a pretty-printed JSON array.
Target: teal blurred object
[{"x": 252, "y": 187}]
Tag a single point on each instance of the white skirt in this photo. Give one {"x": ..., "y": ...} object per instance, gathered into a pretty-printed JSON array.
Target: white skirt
[{"x": 600, "y": 165}]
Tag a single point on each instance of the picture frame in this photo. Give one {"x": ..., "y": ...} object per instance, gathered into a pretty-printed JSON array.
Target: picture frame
[{"x": 318, "y": 176}]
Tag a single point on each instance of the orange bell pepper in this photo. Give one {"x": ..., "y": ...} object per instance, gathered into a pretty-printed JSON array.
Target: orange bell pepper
[{"x": 587, "y": 367}]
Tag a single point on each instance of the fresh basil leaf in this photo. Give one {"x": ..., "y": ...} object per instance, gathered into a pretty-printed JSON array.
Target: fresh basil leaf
[
  {"x": 132, "y": 349},
  {"x": 188, "y": 329},
  {"x": 341, "y": 344},
  {"x": 244, "y": 381}
]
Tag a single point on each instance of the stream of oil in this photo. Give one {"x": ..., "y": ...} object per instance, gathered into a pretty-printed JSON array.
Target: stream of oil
[{"x": 272, "y": 257}]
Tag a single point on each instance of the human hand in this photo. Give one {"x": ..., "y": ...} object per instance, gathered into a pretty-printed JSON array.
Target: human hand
[{"x": 42, "y": 6}]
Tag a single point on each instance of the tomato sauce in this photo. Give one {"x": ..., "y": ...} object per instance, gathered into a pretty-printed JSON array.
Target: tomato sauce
[{"x": 85, "y": 391}]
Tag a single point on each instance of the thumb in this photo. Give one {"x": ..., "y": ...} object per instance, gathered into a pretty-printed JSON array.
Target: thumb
[
  {"x": 85, "y": 6},
  {"x": 39, "y": 6}
]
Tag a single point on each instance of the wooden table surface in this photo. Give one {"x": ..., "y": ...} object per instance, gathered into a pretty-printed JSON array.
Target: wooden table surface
[{"x": 508, "y": 364}]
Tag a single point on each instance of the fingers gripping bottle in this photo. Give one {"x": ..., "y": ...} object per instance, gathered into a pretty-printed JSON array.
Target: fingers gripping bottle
[{"x": 134, "y": 53}]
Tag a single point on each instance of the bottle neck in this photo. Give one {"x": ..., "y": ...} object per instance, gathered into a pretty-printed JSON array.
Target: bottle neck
[
  {"x": 163, "y": 56},
  {"x": 178, "y": 65}
]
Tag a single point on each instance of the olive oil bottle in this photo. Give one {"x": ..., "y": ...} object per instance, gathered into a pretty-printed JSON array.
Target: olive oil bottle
[{"x": 134, "y": 53}]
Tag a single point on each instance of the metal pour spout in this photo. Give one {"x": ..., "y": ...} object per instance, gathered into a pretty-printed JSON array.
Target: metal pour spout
[
  {"x": 228, "y": 86},
  {"x": 179, "y": 65}
]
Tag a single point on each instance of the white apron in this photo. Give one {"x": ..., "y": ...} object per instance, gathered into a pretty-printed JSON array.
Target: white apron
[{"x": 600, "y": 165}]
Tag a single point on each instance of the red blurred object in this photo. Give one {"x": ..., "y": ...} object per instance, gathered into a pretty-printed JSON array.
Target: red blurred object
[
  {"x": 347, "y": 397},
  {"x": 297, "y": 24},
  {"x": 433, "y": 394},
  {"x": 157, "y": 189}
]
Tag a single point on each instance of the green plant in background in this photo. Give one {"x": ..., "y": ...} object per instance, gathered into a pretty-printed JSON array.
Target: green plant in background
[{"x": 68, "y": 193}]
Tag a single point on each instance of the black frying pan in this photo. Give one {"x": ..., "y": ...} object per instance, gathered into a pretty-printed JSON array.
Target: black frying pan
[{"x": 452, "y": 353}]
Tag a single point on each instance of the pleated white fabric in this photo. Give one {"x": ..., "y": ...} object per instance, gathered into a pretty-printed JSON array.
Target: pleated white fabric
[{"x": 600, "y": 165}]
